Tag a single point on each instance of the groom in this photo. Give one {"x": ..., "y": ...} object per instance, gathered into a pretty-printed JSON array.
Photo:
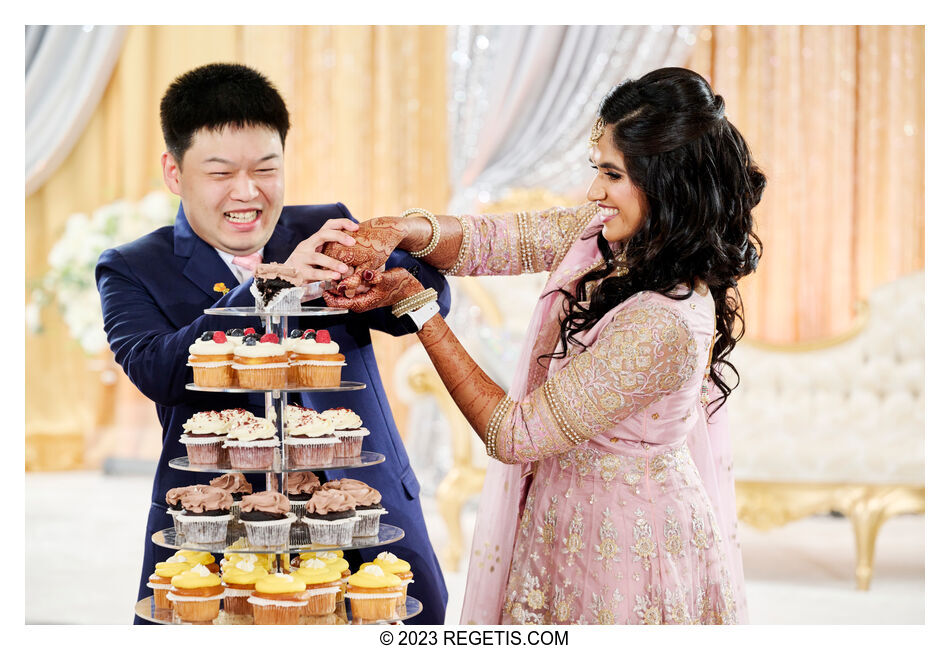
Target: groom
[{"x": 224, "y": 127}]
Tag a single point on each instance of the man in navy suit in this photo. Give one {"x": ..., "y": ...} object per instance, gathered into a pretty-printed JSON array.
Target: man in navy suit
[{"x": 224, "y": 127}]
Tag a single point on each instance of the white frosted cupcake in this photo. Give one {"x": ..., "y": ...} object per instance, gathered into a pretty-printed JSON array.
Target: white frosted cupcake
[
  {"x": 251, "y": 444},
  {"x": 204, "y": 435},
  {"x": 261, "y": 364},
  {"x": 210, "y": 358},
  {"x": 348, "y": 427},
  {"x": 310, "y": 441}
]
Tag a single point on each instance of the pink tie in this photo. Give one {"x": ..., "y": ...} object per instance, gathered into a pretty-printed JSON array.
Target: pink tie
[{"x": 249, "y": 262}]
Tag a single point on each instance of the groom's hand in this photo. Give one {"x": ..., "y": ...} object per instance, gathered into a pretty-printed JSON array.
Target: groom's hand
[{"x": 310, "y": 258}]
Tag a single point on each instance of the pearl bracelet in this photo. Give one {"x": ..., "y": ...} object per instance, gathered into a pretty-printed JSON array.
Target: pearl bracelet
[
  {"x": 436, "y": 230},
  {"x": 463, "y": 249},
  {"x": 491, "y": 432},
  {"x": 412, "y": 303}
]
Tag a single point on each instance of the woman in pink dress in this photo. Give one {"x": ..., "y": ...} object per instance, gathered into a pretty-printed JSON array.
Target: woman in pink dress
[{"x": 610, "y": 501}]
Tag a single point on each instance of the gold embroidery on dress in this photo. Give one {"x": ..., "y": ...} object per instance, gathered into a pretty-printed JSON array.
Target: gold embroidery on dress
[
  {"x": 608, "y": 549},
  {"x": 648, "y": 611},
  {"x": 546, "y": 532},
  {"x": 574, "y": 542},
  {"x": 564, "y": 604},
  {"x": 643, "y": 546},
  {"x": 525, "y": 524},
  {"x": 677, "y": 611},
  {"x": 671, "y": 532},
  {"x": 700, "y": 540},
  {"x": 603, "y": 610}
]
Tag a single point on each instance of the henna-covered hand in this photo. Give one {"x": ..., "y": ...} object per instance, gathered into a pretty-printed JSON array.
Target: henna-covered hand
[
  {"x": 385, "y": 288},
  {"x": 375, "y": 242}
]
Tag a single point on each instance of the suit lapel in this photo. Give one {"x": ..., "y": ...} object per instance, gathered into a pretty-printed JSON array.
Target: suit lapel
[{"x": 202, "y": 264}]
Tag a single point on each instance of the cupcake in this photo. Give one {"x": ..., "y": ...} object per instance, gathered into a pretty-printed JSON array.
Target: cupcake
[
  {"x": 348, "y": 427},
  {"x": 277, "y": 288},
  {"x": 374, "y": 594},
  {"x": 196, "y": 594},
  {"x": 173, "y": 499},
  {"x": 236, "y": 335},
  {"x": 368, "y": 507},
  {"x": 261, "y": 364},
  {"x": 310, "y": 441},
  {"x": 332, "y": 559},
  {"x": 210, "y": 358},
  {"x": 278, "y": 599},
  {"x": 191, "y": 558},
  {"x": 290, "y": 343},
  {"x": 236, "y": 417},
  {"x": 399, "y": 568},
  {"x": 161, "y": 581},
  {"x": 252, "y": 443},
  {"x": 239, "y": 579},
  {"x": 330, "y": 516},
  {"x": 267, "y": 518},
  {"x": 318, "y": 360},
  {"x": 204, "y": 438},
  {"x": 323, "y": 584},
  {"x": 205, "y": 515},
  {"x": 263, "y": 560},
  {"x": 300, "y": 487},
  {"x": 236, "y": 485}
]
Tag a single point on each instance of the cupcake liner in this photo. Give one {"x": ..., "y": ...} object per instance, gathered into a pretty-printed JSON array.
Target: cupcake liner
[
  {"x": 261, "y": 376},
  {"x": 212, "y": 375},
  {"x": 351, "y": 443},
  {"x": 337, "y": 532},
  {"x": 312, "y": 452},
  {"x": 276, "y": 612},
  {"x": 320, "y": 376},
  {"x": 204, "y": 530},
  {"x": 174, "y": 515},
  {"x": 253, "y": 454},
  {"x": 275, "y": 532},
  {"x": 237, "y": 605},
  {"x": 299, "y": 508},
  {"x": 374, "y": 607},
  {"x": 160, "y": 592},
  {"x": 205, "y": 451},
  {"x": 367, "y": 522}
]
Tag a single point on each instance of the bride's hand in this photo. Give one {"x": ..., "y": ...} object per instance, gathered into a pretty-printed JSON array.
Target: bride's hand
[
  {"x": 384, "y": 288},
  {"x": 375, "y": 241}
]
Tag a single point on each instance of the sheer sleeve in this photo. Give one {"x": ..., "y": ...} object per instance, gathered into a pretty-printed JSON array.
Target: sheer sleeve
[
  {"x": 515, "y": 243},
  {"x": 643, "y": 354}
]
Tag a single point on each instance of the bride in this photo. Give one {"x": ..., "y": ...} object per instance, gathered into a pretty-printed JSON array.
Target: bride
[{"x": 611, "y": 501}]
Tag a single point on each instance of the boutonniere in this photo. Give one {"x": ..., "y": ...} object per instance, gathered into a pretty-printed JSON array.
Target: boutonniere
[{"x": 221, "y": 288}]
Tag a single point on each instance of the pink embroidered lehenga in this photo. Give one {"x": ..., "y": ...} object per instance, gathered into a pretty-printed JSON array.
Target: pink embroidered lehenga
[{"x": 613, "y": 502}]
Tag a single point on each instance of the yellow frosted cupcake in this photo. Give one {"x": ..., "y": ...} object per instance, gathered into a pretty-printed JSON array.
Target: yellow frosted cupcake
[
  {"x": 196, "y": 594},
  {"x": 334, "y": 560},
  {"x": 374, "y": 594},
  {"x": 278, "y": 599},
  {"x": 239, "y": 579},
  {"x": 399, "y": 568},
  {"x": 161, "y": 581},
  {"x": 195, "y": 557},
  {"x": 323, "y": 584}
]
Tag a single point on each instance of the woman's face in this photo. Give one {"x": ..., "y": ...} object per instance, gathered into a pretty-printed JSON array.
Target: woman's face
[{"x": 622, "y": 204}]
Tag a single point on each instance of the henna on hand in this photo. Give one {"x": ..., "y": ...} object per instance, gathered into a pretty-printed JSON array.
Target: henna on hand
[
  {"x": 385, "y": 288},
  {"x": 375, "y": 242}
]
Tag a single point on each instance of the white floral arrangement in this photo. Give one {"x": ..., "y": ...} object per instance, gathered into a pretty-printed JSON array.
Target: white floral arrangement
[{"x": 70, "y": 282}]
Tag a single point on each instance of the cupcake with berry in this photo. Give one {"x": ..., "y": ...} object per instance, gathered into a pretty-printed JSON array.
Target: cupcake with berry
[
  {"x": 210, "y": 358},
  {"x": 330, "y": 517},
  {"x": 261, "y": 362},
  {"x": 203, "y": 437},
  {"x": 205, "y": 514},
  {"x": 239, "y": 578},
  {"x": 278, "y": 599},
  {"x": 323, "y": 585},
  {"x": 300, "y": 487},
  {"x": 252, "y": 443},
  {"x": 267, "y": 518},
  {"x": 318, "y": 361},
  {"x": 310, "y": 441},
  {"x": 348, "y": 428},
  {"x": 236, "y": 485},
  {"x": 236, "y": 334},
  {"x": 160, "y": 582},
  {"x": 196, "y": 595},
  {"x": 368, "y": 504},
  {"x": 290, "y": 343},
  {"x": 374, "y": 594}
]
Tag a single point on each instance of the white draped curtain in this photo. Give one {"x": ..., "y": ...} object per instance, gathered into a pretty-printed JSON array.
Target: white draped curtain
[
  {"x": 67, "y": 69},
  {"x": 522, "y": 100}
]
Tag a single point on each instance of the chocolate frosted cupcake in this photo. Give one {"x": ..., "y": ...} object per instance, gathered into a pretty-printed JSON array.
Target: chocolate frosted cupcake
[
  {"x": 267, "y": 518},
  {"x": 236, "y": 485},
  {"x": 300, "y": 487},
  {"x": 310, "y": 440},
  {"x": 331, "y": 516},
  {"x": 277, "y": 287},
  {"x": 368, "y": 506},
  {"x": 173, "y": 499},
  {"x": 205, "y": 514}
]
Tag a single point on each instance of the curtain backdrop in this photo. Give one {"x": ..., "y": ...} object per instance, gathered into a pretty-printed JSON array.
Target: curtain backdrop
[
  {"x": 523, "y": 100},
  {"x": 835, "y": 117},
  {"x": 67, "y": 67},
  {"x": 367, "y": 108}
]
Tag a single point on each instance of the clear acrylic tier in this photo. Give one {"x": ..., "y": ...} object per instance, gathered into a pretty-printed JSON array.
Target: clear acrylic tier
[
  {"x": 254, "y": 311},
  {"x": 366, "y": 459},
  {"x": 289, "y": 388},
  {"x": 236, "y": 542},
  {"x": 146, "y": 609}
]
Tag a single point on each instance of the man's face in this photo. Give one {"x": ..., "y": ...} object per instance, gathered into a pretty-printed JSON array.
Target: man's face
[{"x": 231, "y": 184}]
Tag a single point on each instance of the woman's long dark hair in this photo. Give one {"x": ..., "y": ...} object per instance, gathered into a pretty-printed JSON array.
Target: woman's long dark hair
[{"x": 700, "y": 184}]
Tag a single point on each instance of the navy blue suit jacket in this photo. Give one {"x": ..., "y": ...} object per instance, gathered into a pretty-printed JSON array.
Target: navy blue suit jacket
[{"x": 154, "y": 291}]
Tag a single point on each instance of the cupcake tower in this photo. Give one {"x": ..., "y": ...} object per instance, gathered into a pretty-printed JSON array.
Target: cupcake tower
[{"x": 249, "y": 585}]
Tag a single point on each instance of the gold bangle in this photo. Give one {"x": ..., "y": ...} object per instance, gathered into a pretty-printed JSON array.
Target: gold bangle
[
  {"x": 463, "y": 249},
  {"x": 494, "y": 423},
  {"x": 412, "y": 303},
  {"x": 524, "y": 243},
  {"x": 436, "y": 230}
]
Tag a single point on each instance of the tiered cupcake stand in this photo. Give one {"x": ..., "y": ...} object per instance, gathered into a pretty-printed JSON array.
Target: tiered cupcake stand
[{"x": 276, "y": 400}]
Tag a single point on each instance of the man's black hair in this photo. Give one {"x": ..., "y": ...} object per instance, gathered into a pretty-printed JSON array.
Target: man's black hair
[{"x": 218, "y": 95}]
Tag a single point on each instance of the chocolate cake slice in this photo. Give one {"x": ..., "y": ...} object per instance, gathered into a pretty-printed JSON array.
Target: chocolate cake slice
[{"x": 276, "y": 287}]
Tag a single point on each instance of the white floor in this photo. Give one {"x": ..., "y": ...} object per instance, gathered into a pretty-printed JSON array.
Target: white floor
[{"x": 800, "y": 573}]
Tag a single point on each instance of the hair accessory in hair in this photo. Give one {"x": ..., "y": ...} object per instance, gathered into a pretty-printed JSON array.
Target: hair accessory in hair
[{"x": 597, "y": 131}]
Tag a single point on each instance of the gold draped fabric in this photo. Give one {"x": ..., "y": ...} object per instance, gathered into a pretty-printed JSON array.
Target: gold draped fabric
[
  {"x": 835, "y": 117},
  {"x": 368, "y": 128}
]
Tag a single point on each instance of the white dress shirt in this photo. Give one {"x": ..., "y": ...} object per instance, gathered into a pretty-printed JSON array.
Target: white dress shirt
[{"x": 239, "y": 272}]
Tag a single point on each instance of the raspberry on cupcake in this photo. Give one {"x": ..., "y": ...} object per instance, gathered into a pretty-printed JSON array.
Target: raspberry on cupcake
[
  {"x": 261, "y": 363},
  {"x": 251, "y": 444},
  {"x": 203, "y": 437},
  {"x": 210, "y": 358},
  {"x": 267, "y": 518},
  {"x": 317, "y": 360}
]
